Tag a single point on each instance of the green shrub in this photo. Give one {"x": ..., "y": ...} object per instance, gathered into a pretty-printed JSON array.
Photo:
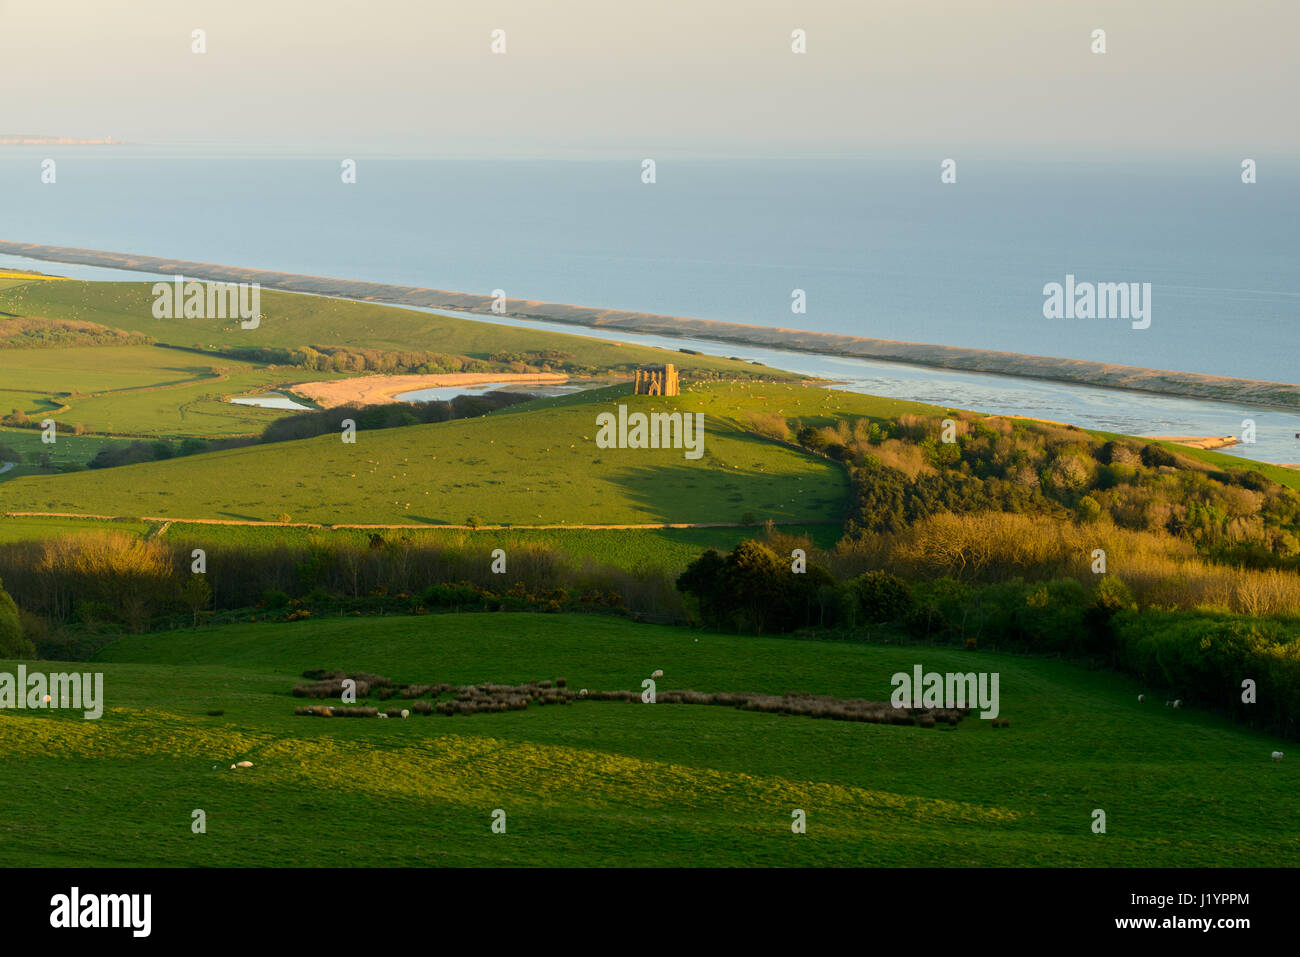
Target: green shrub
[
  {"x": 941, "y": 609},
  {"x": 13, "y": 644},
  {"x": 462, "y": 595},
  {"x": 883, "y": 597},
  {"x": 1154, "y": 456},
  {"x": 1110, "y": 597},
  {"x": 1088, "y": 510},
  {"x": 752, "y": 589}
]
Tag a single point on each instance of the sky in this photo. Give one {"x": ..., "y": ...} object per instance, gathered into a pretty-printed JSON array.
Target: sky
[{"x": 608, "y": 77}]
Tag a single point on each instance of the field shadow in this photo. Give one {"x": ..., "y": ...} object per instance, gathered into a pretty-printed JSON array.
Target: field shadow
[{"x": 696, "y": 492}]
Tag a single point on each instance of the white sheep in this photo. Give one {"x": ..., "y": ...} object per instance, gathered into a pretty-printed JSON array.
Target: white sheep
[
  {"x": 1141, "y": 698},
  {"x": 1178, "y": 702},
  {"x": 382, "y": 715},
  {"x": 243, "y": 764},
  {"x": 658, "y": 674},
  {"x": 582, "y": 693},
  {"x": 406, "y": 713},
  {"x": 1278, "y": 755}
]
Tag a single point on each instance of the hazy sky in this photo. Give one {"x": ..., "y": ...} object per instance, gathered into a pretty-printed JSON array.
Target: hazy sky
[{"x": 610, "y": 76}]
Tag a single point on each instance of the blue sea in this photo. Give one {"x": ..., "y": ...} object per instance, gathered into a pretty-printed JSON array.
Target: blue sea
[{"x": 880, "y": 247}]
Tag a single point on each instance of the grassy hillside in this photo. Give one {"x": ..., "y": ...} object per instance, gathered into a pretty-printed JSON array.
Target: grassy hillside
[
  {"x": 536, "y": 463},
  {"x": 291, "y": 321},
  {"x": 138, "y": 390},
  {"x": 152, "y": 391},
  {"x": 533, "y": 464},
  {"x": 614, "y": 783}
]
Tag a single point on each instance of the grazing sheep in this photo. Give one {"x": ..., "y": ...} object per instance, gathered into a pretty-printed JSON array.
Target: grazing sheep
[
  {"x": 658, "y": 674},
  {"x": 1278, "y": 755},
  {"x": 1141, "y": 698},
  {"x": 405, "y": 713},
  {"x": 244, "y": 764},
  {"x": 1178, "y": 702},
  {"x": 582, "y": 693},
  {"x": 382, "y": 715}
]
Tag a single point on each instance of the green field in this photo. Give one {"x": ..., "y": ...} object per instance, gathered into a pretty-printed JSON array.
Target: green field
[
  {"x": 146, "y": 391},
  {"x": 532, "y": 464},
  {"x": 604, "y": 783},
  {"x": 67, "y": 449},
  {"x": 13, "y": 529},
  {"x": 90, "y": 369},
  {"x": 197, "y": 409}
]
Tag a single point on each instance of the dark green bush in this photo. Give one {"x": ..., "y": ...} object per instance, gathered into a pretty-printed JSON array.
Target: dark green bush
[
  {"x": 1203, "y": 658},
  {"x": 462, "y": 595},
  {"x": 883, "y": 597},
  {"x": 13, "y": 643},
  {"x": 1154, "y": 456}
]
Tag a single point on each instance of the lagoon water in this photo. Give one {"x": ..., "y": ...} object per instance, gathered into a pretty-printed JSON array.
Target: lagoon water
[
  {"x": 270, "y": 400},
  {"x": 445, "y": 393},
  {"x": 1111, "y": 410},
  {"x": 881, "y": 248}
]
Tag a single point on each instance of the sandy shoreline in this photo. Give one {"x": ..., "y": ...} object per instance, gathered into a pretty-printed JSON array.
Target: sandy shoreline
[
  {"x": 380, "y": 389},
  {"x": 1254, "y": 392},
  {"x": 1191, "y": 441},
  {"x": 1198, "y": 441}
]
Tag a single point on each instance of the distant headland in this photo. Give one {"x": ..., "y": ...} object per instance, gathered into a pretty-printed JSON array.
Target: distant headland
[
  {"x": 1253, "y": 392},
  {"x": 37, "y": 139}
]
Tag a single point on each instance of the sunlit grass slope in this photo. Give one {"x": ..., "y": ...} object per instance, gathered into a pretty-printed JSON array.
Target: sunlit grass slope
[
  {"x": 535, "y": 464},
  {"x": 615, "y": 783}
]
